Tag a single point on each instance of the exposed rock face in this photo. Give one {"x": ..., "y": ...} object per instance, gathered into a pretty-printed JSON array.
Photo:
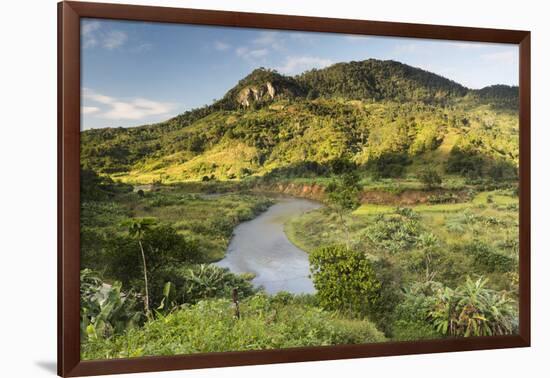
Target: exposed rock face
[
  {"x": 244, "y": 97},
  {"x": 255, "y": 93},
  {"x": 270, "y": 90}
]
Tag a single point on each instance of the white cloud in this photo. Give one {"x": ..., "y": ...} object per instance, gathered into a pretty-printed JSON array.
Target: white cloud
[
  {"x": 271, "y": 39},
  {"x": 88, "y": 30},
  {"x": 258, "y": 53},
  {"x": 251, "y": 54},
  {"x": 90, "y": 109},
  {"x": 266, "y": 43},
  {"x": 114, "y": 39},
  {"x": 502, "y": 57},
  {"x": 221, "y": 46},
  {"x": 89, "y": 27},
  {"x": 297, "y": 64},
  {"x": 94, "y": 34},
  {"x": 123, "y": 109}
]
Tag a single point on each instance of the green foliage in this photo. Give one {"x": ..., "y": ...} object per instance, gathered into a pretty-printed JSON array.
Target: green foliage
[
  {"x": 104, "y": 310},
  {"x": 382, "y": 114},
  {"x": 375, "y": 79},
  {"x": 344, "y": 280},
  {"x": 413, "y": 311},
  {"x": 342, "y": 195},
  {"x": 466, "y": 163},
  {"x": 447, "y": 197},
  {"x": 210, "y": 326},
  {"x": 138, "y": 227},
  {"x": 390, "y": 165},
  {"x": 168, "y": 302},
  {"x": 94, "y": 187},
  {"x": 394, "y": 232},
  {"x": 430, "y": 178},
  {"x": 490, "y": 260},
  {"x": 500, "y": 96},
  {"x": 473, "y": 310},
  {"x": 502, "y": 170},
  {"x": 193, "y": 283},
  {"x": 163, "y": 246},
  {"x": 469, "y": 310},
  {"x": 372, "y": 130},
  {"x": 286, "y": 87}
]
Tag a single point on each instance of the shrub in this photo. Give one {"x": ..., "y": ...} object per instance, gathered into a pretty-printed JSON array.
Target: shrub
[
  {"x": 465, "y": 163},
  {"x": 194, "y": 283},
  {"x": 473, "y": 310},
  {"x": 502, "y": 170},
  {"x": 430, "y": 178},
  {"x": 391, "y": 165},
  {"x": 394, "y": 232},
  {"x": 412, "y": 313},
  {"x": 382, "y": 312},
  {"x": 343, "y": 197},
  {"x": 163, "y": 247},
  {"x": 340, "y": 166},
  {"x": 488, "y": 259},
  {"x": 95, "y": 188},
  {"x": 446, "y": 197},
  {"x": 210, "y": 326},
  {"x": 344, "y": 279},
  {"x": 104, "y": 309}
]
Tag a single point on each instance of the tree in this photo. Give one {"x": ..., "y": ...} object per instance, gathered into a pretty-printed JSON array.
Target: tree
[
  {"x": 137, "y": 228},
  {"x": 430, "y": 178},
  {"x": 343, "y": 197},
  {"x": 345, "y": 279},
  {"x": 428, "y": 243},
  {"x": 390, "y": 164}
]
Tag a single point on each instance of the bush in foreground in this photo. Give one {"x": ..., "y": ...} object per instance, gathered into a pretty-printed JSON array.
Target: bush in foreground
[
  {"x": 345, "y": 280},
  {"x": 210, "y": 326}
]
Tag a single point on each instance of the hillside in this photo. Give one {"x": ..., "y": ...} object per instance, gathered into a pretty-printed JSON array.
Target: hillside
[{"x": 387, "y": 118}]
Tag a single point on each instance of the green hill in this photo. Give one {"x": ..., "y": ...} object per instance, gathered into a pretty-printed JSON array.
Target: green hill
[
  {"x": 380, "y": 80},
  {"x": 383, "y": 117}
]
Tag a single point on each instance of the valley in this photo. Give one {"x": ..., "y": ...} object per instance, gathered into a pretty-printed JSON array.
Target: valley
[{"x": 389, "y": 191}]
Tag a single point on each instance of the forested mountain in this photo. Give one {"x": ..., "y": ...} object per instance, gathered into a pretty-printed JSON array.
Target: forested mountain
[
  {"x": 379, "y": 80},
  {"x": 373, "y": 114}
]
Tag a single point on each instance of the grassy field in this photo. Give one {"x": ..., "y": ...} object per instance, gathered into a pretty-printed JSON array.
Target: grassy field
[
  {"x": 489, "y": 220},
  {"x": 205, "y": 219}
]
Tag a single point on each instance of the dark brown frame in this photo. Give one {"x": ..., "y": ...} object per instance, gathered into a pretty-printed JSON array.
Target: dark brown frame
[{"x": 69, "y": 14}]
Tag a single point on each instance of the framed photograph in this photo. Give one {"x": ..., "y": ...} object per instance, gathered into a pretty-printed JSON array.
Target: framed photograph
[{"x": 239, "y": 188}]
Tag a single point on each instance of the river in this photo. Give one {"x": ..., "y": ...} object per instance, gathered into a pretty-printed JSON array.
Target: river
[{"x": 260, "y": 246}]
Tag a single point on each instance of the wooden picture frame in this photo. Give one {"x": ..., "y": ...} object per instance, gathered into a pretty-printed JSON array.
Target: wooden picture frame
[{"x": 69, "y": 15}]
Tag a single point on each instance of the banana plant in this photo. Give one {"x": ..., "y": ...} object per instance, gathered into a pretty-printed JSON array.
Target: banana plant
[
  {"x": 473, "y": 310},
  {"x": 104, "y": 309}
]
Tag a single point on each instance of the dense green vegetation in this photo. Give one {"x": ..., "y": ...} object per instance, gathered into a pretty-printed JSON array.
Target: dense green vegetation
[
  {"x": 280, "y": 321},
  {"x": 418, "y": 237},
  {"x": 380, "y": 116},
  {"x": 434, "y": 244}
]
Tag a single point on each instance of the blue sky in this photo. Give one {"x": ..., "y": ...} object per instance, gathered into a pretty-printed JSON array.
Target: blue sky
[{"x": 134, "y": 73}]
